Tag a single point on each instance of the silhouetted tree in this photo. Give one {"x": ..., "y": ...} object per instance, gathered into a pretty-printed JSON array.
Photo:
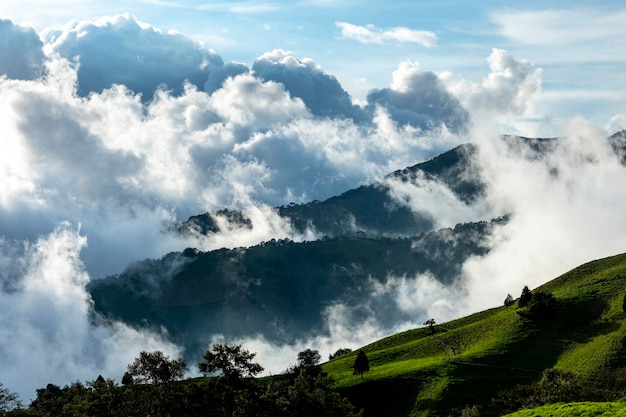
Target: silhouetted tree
[
  {"x": 233, "y": 389},
  {"x": 431, "y": 325},
  {"x": 338, "y": 353},
  {"x": 361, "y": 364},
  {"x": 232, "y": 362},
  {"x": 525, "y": 298},
  {"x": 153, "y": 391},
  {"x": 156, "y": 368},
  {"x": 309, "y": 358},
  {"x": 624, "y": 303},
  {"x": 127, "y": 379},
  {"x": 509, "y": 301}
]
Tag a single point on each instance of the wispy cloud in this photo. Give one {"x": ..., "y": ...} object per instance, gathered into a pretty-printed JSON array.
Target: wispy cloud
[
  {"x": 372, "y": 34},
  {"x": 245, "y": 7},
  {"x": 561, "y": 27}
]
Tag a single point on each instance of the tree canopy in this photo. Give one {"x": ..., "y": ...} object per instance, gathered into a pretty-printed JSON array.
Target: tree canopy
[
  {"x": 309, "y": 358},
  {"x": 156, "y": 368},
  {"x": 526, "y": 296},
  {"x": 230, "y": 361}
]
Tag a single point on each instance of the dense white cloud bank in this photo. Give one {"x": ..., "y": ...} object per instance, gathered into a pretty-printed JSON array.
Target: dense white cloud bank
[
  {"x": 123, "y": 50},
  {"x": 81, "y": 146},
  {"x": 112, "y": 158},
  {"x": 48, "y": 333}
]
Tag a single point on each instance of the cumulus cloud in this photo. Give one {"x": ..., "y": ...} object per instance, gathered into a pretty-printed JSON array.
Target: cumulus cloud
[
  {"x": 125, "y": 168},
  {"x": 372, "y": 34},
  {"x": 508, "y": 90},
  {"x": 321, "y": 92},
  {"x": 21, "y": 52},
  {"x": 123, "y": 50},
  {"x": 418, "y": 98}
]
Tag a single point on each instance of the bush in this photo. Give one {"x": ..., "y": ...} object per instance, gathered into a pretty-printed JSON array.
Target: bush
[{"x": 542, "y": 305}]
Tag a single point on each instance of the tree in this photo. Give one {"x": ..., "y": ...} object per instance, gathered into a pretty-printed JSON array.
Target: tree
[
  {"x": 8, "y": 400},
  {"x": 156, "y": 368},
  {"x": 232, "y": 362},
  {"x": 127, "y": 379},
  {"x": 361, "y": 364},
  {"x": 152, "y": 389},
  {"x": 526, "y": 297},
  {"x": 338, "y": 353},
  {"x": 624, "y": 303},
  {"x": 309, "y": 358},
  {"x": 542, "y": 304},
  {"x": 431, "y": 325},
  {"x": 509, "y": 301}
]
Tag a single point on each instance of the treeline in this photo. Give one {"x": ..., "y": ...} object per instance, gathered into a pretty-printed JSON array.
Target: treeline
[{"x": 154, "y": 385}]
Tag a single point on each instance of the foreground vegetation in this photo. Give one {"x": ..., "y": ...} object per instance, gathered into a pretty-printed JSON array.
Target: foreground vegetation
[
  {"x": 562, "y": 344},
  {"x": 154, "y": 386}
]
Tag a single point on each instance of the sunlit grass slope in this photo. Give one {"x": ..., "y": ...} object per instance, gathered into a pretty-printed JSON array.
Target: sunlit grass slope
[
  {"x": 430, "y": 372},
  {"x": 583, "y": 409}
]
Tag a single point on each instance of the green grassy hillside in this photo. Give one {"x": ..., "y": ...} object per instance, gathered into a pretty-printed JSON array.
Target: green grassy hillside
[
  {"x": 584, "y": 409},
  {"x": 471, "y": 360}
]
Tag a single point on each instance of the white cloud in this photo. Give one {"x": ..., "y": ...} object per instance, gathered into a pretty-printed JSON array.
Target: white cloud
[
  {"x": 419, "y": 99},
  {"x": 507, "y": 91},
  {"x": 566, "y": 210},
  {"x": 304, "y": 79},
  {"x": 48, "y": 333},
  {"x": 124, "y": 50},
  {"x": 21, "y": 51},
  {"x": 372, "y": 34},
  {"x": 115, "y": 163}
]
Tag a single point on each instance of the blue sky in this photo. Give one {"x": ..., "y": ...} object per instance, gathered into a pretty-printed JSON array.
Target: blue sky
[{"x": 579, "y": 47}]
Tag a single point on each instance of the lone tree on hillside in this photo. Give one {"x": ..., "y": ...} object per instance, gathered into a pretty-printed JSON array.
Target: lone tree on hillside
[
  {"x": 526, "y": 297},
  {"x": 431, "y": 325},
  {"x": 233, "y": 362},
  {"x": 361, "y": 364},
  {"x": 509, "y": 301}
]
